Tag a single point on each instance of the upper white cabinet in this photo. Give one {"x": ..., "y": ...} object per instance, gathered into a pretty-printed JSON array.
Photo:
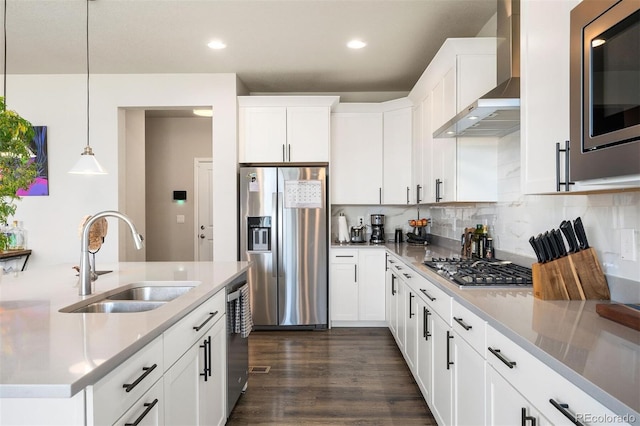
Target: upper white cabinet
[
  {"x": 462, "y": 169},
  {"x": 277, "y": 129},
  {"x": 544, "y": 91},
  {"x": 370, "y": 144}
]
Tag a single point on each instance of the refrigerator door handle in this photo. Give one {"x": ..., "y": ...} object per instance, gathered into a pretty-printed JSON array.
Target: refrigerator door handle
[{"x": 280, "y": 242}]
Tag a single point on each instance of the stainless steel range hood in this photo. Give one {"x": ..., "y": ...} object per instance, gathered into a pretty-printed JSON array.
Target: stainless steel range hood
[{"x": 497, "y": 113}]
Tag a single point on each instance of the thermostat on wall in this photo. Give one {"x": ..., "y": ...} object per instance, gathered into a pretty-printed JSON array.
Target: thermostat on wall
[{"x": 179, "y": 195}]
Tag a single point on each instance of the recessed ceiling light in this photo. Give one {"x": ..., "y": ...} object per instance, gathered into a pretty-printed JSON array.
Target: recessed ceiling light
[
  {"x": 473, "y": 117},
  {"x": 451, "y": 132},
  {"x": 597, "y": 42},
  {"x": 356, "y": 44},
  {"x": 205, "y": 112},
  {"x": 216, "y": 44}
]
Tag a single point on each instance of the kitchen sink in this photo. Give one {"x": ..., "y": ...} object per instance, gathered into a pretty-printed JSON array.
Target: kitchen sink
[
  {"x": 120, "y": 306},
  {"x": 139, "y": 296},
  {"x": 151, "y": 293}
]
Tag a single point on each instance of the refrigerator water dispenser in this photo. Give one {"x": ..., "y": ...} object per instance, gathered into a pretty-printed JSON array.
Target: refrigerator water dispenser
[{"x": 259, "y": 233}]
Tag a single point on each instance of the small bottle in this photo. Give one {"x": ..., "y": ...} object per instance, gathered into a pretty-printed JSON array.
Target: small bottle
[
  {"x": 16, "y": 241},
  {"x": 479, "y": 243},
  {"x": 488, "y": 251}
]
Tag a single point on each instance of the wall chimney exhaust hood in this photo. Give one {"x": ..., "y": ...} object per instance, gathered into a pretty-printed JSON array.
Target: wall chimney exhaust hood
[{"x": 497, "y": 113}]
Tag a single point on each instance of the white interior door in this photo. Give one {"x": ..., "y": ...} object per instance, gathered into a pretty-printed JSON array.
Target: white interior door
[{"x": 204, "y": 210}]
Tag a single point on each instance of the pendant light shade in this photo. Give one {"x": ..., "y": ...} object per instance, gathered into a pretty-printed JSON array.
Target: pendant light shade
[{"x": 88, "y": 164}]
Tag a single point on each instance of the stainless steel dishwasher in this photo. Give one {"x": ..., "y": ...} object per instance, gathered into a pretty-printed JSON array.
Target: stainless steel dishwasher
[{"x": 237, "y": 345}]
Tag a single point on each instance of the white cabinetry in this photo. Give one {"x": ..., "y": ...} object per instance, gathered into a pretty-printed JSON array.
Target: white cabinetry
[
  {"x": 544, "y": 90},
  {"x": 194, "y": 384},
  {"x": 369, "y": 146},
  {"x": 357, "y": 287},
  {"x": 276, "y": 129},
  {"x": 116, "y": 393},
  {"x": 148, "y": 410},
  {"x": 460, "y": 169},
  {"x": 391, "y": 298}
]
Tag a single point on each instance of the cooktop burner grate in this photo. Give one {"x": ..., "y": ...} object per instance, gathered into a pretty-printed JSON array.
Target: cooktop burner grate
[{"x": 481, "y": 272}]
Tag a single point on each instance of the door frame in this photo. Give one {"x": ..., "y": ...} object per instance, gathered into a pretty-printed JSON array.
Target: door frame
[{"x": 196, "y": 203}]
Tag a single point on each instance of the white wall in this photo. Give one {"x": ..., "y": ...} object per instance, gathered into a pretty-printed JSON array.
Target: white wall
[{"x": 59, "y": 102}]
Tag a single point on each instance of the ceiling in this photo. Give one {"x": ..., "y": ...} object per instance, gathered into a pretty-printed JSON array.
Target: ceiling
[{"x": 273, "y": 45}]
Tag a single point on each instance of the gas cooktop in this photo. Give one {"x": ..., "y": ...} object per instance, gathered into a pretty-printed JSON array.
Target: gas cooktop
[{"x": 482, "y": 273}]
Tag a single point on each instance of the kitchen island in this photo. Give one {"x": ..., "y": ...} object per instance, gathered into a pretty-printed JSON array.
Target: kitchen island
[
  {"x": 54, "y": 356},
  {"x": 598, "y": 356}
]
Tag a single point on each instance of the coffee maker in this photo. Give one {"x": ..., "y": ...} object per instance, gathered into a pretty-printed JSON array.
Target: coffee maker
[{"x": 377, "y": 228}]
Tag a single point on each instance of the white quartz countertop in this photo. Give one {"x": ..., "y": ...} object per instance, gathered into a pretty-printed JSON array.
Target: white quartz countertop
[
  {"x": 598, "y": 355},
  {"x": 47, "y": 353}
]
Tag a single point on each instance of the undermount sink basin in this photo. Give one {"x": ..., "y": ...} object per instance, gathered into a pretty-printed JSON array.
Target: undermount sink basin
[
  {"x": 135, "y": 297},
  {"x": 162, "y": 294},
  {"x": 121, "y": 306}
]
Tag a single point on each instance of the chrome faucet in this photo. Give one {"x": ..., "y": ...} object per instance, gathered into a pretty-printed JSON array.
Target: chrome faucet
[{"x": 85, "y": 265}]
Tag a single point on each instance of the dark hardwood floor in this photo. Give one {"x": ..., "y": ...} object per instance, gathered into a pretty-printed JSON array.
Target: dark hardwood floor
[{"x": 330, "y": 377}]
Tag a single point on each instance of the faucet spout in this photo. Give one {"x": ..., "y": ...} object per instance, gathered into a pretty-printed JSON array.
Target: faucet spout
[{"x": 85, "y": 265}]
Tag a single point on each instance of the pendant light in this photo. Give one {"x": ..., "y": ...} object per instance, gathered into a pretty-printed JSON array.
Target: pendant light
[{"x": 87, "y": 164}]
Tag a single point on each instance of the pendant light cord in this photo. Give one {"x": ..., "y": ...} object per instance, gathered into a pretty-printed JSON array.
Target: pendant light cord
[
  {"x": 87, "y": 72},
  {"x": 4, "y": 73}
]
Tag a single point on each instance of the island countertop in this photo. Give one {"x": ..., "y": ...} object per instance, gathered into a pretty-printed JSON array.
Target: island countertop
[
  {"x": 48, "y": 353},
  {"x": 598, "y": 355}
]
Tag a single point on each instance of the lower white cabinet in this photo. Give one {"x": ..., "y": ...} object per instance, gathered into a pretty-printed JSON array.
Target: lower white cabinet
[
  {"x": 357, "y": 287},
  {"x": 469, "y": 377},
  {"x": 148, "y": 410},
  {"x": 442, "y": 403},
  {"x": 195, "y": 384},
  {"x": 424, "y": 374},
  {"x": 506, "y": 406},
  {"x": 391, "y": 299}
]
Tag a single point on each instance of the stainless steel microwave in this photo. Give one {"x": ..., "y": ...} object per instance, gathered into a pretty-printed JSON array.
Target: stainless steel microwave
[{"x": 605, "y": 89}]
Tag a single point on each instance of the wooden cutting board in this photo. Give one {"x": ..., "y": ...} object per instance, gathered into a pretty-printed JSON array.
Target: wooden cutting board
[{"x": 627, "y": 314}]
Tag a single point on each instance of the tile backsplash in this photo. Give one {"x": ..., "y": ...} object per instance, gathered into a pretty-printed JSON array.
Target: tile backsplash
[{"x": 516, "y": 217}]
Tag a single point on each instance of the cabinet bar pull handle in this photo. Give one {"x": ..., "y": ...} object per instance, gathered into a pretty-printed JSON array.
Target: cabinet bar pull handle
[
  {"x": 283, "y": 155},
  {"x": 391, "y": 261},
  {"x": 433, "y": 299},
  {"x": 408, "y": 201},
  {"x": 427, "y": 333},
  {"x": 449, "y": 337},
  {"x": 128, "y": 387},
  {"x": 566, "y": 182},
  {"x": 380, "y": 194},
  {"x": 463, "y": 324},
  {"x": 355, "y": 273},
  {"x": 526, "y": 418},
  {"x": 289, "y": 153},
  {"x": 438, "y": 197},
  {"x": 206, "y": 345},
  {"x": 211, "y": 315},
  {"x": 393, "y": 285},
  {"x": 406, "y": 275},
  {"x": 386, "y": 261},
  {"x": 411, "y": 296},
  {"x": 344, "y": 255},
  {"x": 144, "y": 413},
  {"x": 564, "y": 409},
  {"x": 502, "y": 358},
  {"x": 418, "y": 188}
]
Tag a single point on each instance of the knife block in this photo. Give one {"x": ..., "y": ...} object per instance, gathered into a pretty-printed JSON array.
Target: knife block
[{"x": 577, "y": 276}]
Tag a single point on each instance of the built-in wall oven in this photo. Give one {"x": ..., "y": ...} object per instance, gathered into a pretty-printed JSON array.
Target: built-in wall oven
[{"x": 605, "y": 89}]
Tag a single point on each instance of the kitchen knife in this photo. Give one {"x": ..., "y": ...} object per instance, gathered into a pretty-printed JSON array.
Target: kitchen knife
[
  {"x": 532, "y": 241},
  {"x": 543, "y": 250},
  {"x": 582, "y": 236},
  {"x": 560, "y": 242},
  {"x": 567, "y": 230},
  {"x": 551, "y": 241}
]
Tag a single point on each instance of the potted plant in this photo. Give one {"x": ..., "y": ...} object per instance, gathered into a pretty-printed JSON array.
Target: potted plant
[{"x": 17, "y": 168}]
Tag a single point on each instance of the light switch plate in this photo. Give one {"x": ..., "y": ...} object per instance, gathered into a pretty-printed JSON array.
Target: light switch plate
[
  {"x": 180, "y": 218},
  {"x": 628, "y": 244}
]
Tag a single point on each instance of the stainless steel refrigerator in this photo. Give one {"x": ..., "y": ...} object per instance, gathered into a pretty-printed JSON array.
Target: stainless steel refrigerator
[{"x": 283, "y": 231}]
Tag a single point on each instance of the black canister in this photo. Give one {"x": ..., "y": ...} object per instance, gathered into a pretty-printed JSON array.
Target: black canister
[{"x": 399, "y": 237}]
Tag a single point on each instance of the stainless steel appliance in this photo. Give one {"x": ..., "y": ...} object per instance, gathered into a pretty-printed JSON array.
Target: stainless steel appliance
[
  {"x": 237, "y": 345},
  {"x": 475, "y": 273},
  {"x": 358, "y": 234},
  {"x": 605, "y": 89},
  {"x": 377, "y": 229},
  {"x": 283, "y": 231}
]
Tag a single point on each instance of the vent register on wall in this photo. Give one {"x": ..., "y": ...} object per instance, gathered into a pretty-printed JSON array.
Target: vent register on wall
[{"x": 283, "y": 231}]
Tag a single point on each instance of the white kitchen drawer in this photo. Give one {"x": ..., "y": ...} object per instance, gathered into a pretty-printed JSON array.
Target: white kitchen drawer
[
  {"x": 148, "y": 410},
  {"x": 344, "y": 256},
  {"x": 539, "y": 383},
  {"x": 116, "y": 392},
  {"x": 437, "y": 299},
  {"x": 189, "y": 329},
  {"x": 470, "y": 327}
]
